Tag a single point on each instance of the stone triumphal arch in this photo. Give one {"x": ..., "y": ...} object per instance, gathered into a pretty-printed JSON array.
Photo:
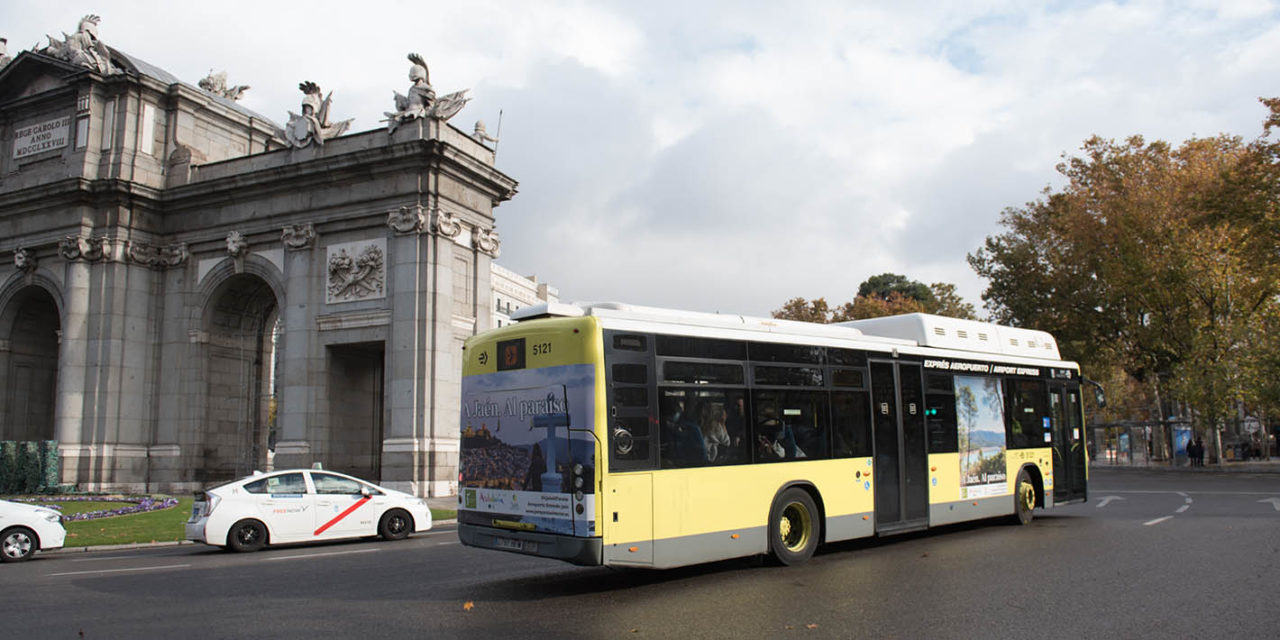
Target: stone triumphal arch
[{"x": 195, "y": 292}]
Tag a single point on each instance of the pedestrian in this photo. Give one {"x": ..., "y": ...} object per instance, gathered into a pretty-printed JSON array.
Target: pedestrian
[{"x": 1199, "y": 452}]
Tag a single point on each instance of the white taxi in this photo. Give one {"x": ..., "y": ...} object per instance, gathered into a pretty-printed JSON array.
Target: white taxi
[
  {"x": 25, "y": 529},
  {"x": 302, "y": 505}
]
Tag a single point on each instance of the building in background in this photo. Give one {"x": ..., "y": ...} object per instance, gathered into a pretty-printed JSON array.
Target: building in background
[{"x": 512, "y": 291}]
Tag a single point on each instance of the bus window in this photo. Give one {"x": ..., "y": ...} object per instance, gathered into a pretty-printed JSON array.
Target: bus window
[
  {"x": 689, "y": 347},
  {"x": 769, "y": 352},
  {"x": 1027, "y": 414},
  {"x": 788, "y": 376},
  {"x": 701, "y": 372},
  {"x": 850, "y": 424},
  {"x": 702, "y": 427},
  {"x": 940, "y": 413},
  {"x": 790, "y": 424},
  {"x": 629, "y": 442}
]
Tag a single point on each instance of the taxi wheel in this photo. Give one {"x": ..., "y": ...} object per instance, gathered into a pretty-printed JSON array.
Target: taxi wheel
[
  {"x": 247, "y": 535},
  {"x": 19, "y": 543},
  {"x": 395, "y": 525},
  {"x": 794, "y": 527}
]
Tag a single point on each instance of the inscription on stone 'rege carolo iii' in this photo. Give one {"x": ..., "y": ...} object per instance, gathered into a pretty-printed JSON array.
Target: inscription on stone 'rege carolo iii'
[{"x": 44, "y": 136}]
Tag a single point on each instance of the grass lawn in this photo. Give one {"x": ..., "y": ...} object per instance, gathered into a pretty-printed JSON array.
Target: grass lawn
[{"x": 165, "y": 525}]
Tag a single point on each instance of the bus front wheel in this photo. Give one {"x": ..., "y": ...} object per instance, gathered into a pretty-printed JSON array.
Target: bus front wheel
[
  {"x": 794, "y": 527},
  {"x": 1024, "y": 498}
]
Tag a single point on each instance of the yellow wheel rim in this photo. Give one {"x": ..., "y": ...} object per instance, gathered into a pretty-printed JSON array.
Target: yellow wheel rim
[
  {"x": 795, "y": 526},
  {"x": 1027, "y": 494}
]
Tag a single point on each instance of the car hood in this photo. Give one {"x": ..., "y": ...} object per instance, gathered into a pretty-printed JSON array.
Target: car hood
[{"x": 15, "y": 509}]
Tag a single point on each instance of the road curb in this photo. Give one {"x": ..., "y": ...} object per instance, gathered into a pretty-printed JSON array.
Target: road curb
[{"x": 1207, "y": 470}]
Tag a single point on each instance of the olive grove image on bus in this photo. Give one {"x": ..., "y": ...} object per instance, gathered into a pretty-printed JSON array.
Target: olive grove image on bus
[{"x": 612, "y": 434}]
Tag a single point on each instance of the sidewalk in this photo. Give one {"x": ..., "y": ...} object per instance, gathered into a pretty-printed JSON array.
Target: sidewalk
[{"x": 1229, "y": 466}]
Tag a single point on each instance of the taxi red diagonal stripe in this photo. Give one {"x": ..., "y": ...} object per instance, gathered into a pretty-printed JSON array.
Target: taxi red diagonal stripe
[{"x": 338, "y": 518}]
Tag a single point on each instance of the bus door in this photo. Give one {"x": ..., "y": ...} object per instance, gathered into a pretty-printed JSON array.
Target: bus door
[
  {"x": 1068, "y": 443},
  {"x": 901, "y": 457}
]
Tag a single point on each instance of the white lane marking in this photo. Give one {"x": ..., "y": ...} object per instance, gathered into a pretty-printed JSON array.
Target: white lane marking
[
  {"x": 1183, "y": 508},
  {"x": 321, "y": 555},
  {"x": 1275, "y": 502},
  {"x": 1181, "y": 493},
  {"x": 81, "y": 573},
  {"x": 1156, "y": 521},
  {"x": 1105, "y": 500},
  {"x": 441, "y": 544}
]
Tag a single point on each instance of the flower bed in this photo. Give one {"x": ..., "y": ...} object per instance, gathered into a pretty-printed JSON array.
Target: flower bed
[{"x": 135, "y": 505}]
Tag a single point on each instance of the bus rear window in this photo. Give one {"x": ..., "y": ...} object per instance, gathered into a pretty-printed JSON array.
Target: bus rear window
[{"x": 702, "y": 373}]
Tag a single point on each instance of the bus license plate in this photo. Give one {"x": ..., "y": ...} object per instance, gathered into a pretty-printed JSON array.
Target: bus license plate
[{"x": 516, "y": 545}]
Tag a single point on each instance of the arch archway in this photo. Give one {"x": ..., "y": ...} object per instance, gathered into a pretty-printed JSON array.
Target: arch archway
[
  {"x": 241, "y": 321},
  {"x": 30, "y": 325}
]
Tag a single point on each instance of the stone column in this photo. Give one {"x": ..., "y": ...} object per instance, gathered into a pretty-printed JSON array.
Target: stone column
[
  {"x": 69, "y": 412},
  {"x": 301, "y": 377},
  {"x": 408, "y": 273}
]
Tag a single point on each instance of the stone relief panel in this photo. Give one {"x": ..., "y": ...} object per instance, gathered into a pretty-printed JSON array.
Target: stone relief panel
[{"x": 357, "y": 271}]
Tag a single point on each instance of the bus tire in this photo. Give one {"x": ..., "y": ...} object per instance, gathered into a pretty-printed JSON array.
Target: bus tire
[
  {"x": 1024, "y": 498},
  {"x": 794, "y": 527}
]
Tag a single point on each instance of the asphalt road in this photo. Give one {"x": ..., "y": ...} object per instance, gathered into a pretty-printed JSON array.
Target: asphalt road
[{"x": 1151, "y": 555}]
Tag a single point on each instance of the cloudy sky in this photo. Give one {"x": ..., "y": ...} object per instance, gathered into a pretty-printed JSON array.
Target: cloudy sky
[{"x": 729, "y": 156}]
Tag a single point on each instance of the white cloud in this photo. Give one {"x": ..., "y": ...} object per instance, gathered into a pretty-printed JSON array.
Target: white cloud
[{"x": 729, "y": 156}]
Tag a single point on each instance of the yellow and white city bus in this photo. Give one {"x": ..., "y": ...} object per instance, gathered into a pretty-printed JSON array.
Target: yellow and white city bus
[{"x": 611, "y": 434}]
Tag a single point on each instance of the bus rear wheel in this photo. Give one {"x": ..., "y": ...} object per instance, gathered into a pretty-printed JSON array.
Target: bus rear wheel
[
  {"x": 1024, "y": 498},
  {"x": 794, "y": 527}
]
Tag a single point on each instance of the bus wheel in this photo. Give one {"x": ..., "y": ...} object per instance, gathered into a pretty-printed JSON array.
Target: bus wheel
[
  {"x": 1024, "y": 498},
  {"x": 793, "y": 527}
]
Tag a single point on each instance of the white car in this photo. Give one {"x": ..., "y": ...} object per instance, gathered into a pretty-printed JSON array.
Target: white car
[
  {"x": 302, "y": 505},
  {"x": 25, "y": 529}
]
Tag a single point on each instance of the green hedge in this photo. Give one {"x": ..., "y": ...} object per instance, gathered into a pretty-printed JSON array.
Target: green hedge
[{"x": 28, "y": 467}]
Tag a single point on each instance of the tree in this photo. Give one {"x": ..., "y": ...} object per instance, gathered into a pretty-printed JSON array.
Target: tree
[
  {"x": 884, "y": 295},
  {"x": 1157, "y": 260}
]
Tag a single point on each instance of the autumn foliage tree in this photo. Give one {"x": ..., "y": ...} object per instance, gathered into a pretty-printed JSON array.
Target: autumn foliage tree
[
  {"x": 1157, "y": 261},
  {"x": 884, "y": 295}
]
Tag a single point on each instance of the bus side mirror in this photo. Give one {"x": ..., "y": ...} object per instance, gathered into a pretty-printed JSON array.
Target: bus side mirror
[{"x": 1099, "y": 396}]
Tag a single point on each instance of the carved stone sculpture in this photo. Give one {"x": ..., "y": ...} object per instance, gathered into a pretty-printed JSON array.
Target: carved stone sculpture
[
  {"x": 313, "y": 124},
  {"x": 483, "y": 136},
  {"x": 4, "y": 53},
  {"x": 487, "y": 240},
  {"x": 237, "y": 246},
  {"x": 356, "y": 278},
  {"x": 216, "y": 83},
  {"x": 158, "y": 257},
  {"x": 406, "y": 220},
  {"x": 78, "y": 248},
  {"x": 298, "y": 236},
  {"x": 24, "y": 259},
  {"x": 446, "y": 224},
  {"x": 421, "y": 101},
  {"x": 83, "y": 47}
]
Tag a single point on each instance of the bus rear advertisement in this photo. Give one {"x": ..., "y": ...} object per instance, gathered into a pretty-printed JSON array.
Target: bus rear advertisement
[{"x": 610, "y": 434}]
